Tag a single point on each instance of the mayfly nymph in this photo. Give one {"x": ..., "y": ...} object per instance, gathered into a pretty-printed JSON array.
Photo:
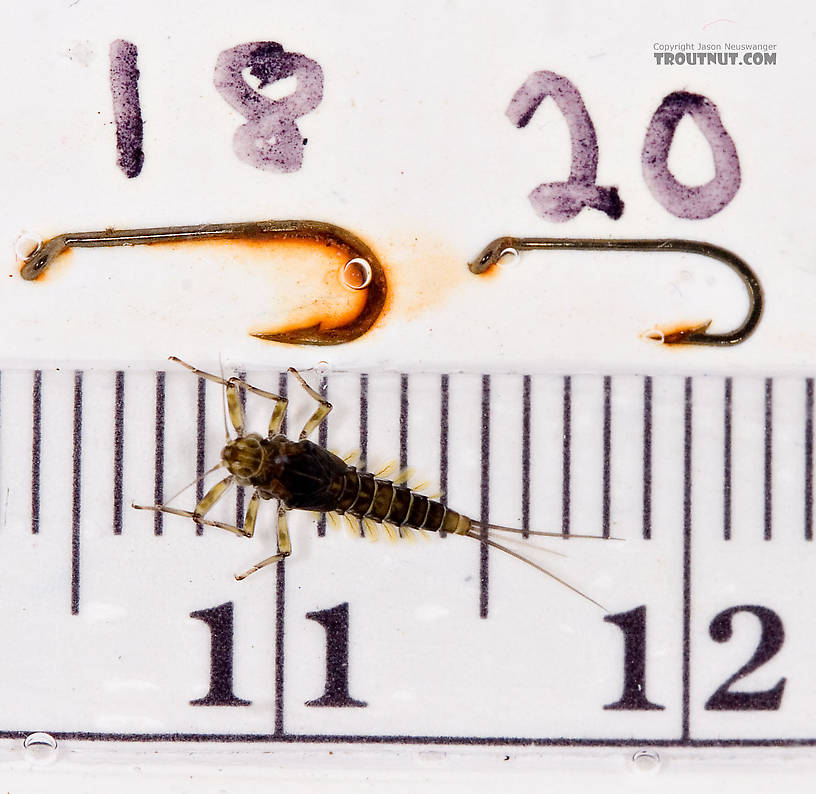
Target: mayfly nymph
[{"x": 302, "y": 475}]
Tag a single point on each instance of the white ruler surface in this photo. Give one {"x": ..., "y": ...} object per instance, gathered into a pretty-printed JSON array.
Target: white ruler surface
[{"x": 126, "y": 625}]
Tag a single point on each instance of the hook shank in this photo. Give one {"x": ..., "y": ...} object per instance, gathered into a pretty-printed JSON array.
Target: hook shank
[{"x": 493, "y": 252}]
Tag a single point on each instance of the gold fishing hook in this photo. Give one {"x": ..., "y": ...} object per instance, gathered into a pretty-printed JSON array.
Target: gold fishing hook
[
  {"x": 370, "y": 272},
  {"x": 697, "y": 335}
]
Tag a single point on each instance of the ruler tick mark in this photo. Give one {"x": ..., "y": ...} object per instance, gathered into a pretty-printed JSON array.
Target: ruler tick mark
[
  {"x": 240, "y": 492},
  {"x": 363, "y": 462},
  {"x": 525, "y": 455},
  {"x": 158, "y": 482},
  {"x": 647, "y": 458},
  {"x": 3, "y": 518},
  {"x": 323, "y": 439},
  {"x": 76, "y": 504},
  {"x": 565, "y": 456},
  {"x": 687, "y": 475},
  {"x": 403, "y": 428},
  {"x": 36, "y": 440},
  {"x": 444, "y": 428},
  {"x": 768, "y": 457},
  {"x": 727, "y": 460},
  {"x": 403, "y": 422},
  {"x": 201, "y": 443},
  {"x": 607, "y": 453},
  {"x": 118, "y": 449},
  {"x": 280, "y": 603},
  {"x": 485, "y": 502},
  {"x": 809, "y": 459}
]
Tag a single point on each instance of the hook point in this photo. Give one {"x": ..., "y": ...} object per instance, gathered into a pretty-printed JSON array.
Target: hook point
[{"x": 684, "y": 335}]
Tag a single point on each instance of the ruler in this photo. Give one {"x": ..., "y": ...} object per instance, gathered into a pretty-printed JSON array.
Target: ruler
[{"x": 707, "y": 640}]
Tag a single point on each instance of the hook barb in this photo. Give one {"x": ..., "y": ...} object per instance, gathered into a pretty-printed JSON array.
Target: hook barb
[
  {"x": 696, "y": 335},
  {"x": 375, "y": 284}
]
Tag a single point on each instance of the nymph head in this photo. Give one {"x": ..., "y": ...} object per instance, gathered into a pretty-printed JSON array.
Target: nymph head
[{"x": 243, "y": 456}]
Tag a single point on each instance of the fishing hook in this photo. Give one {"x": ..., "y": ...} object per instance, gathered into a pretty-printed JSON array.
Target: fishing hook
[
  {"x": 696, "y": 335},
  {"x": 373, "y": 278}
]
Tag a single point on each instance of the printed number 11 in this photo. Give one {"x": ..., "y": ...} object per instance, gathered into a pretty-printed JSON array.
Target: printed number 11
[{"x": 336, "y": 623}]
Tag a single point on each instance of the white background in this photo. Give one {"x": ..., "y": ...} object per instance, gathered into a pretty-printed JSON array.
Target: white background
[{"x": 411, "y": 149}]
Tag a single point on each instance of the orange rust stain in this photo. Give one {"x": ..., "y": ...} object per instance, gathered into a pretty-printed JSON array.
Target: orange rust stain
[
  {"x": 423, "y": 273},
  {"x": 491, "y": 274},
  {"x": 305, "y": 271},
  {"x": 675, "y": 334}
]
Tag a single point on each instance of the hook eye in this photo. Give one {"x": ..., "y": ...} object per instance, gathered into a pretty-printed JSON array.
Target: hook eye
[
  {"x": 356, "y": 273},
  {"x": 362, "y": 271},
  {"x": 694, "y": 335},
  {"x": 507, "y": 256},
  {"x": 27, "y": 245}
]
